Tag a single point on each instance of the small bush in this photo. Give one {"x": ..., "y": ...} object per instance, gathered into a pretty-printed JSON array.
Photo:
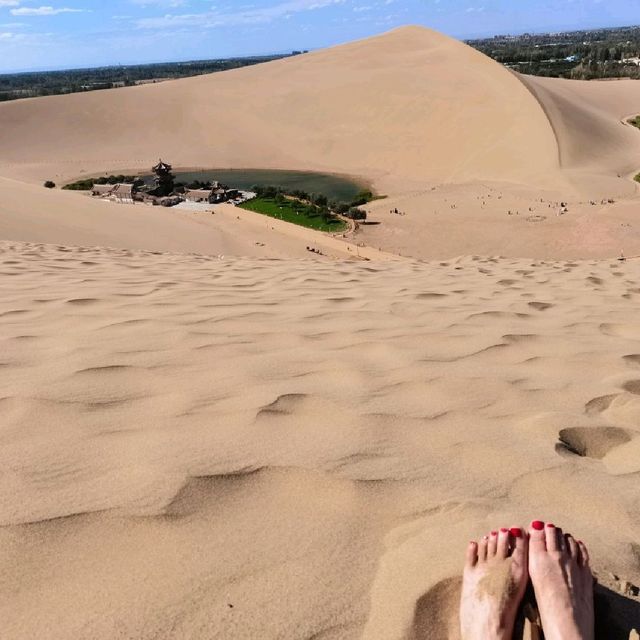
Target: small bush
[
  {"x": 50, "y": 184},
  {"x": 81, "y": 185},
  {"x": 301, "y": 195},
  {"x": 356, "y": 214},
  {"x": 86, "y": 184},
  {"x": 262, "y": 191},
  {"x": 199, "y": 184},
  {"x": 362, "y": 198}
]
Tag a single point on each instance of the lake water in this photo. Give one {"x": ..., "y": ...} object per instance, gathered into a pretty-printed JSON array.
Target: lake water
[{"x": 334, "y": 187}]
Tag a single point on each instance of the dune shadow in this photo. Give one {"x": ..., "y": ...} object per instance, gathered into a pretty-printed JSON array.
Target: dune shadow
[{"x": 436, "y": 612}]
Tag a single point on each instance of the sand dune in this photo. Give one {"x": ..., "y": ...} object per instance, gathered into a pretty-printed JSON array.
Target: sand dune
[
  {"x": 189, "y": 451},
  {"x": 386, "y": 106}
]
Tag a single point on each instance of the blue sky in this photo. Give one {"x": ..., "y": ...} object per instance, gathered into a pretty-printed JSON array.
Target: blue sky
[{"x": 39, "y": 34}]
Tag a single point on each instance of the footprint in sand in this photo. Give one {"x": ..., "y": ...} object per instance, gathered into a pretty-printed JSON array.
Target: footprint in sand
[
  {"x": 633, "y": 360},
  {"x": 286, "y": 404},
  {"x": 540, "y": 306},
  {"x": 594, "y": 442},
  {"x": 430, "y": 296},
  {"x": 518, "y": 338},
  {"x": 497, "y": 314},
  {"x": 632, "y": 386},
  {"x": 82, "y": 301},
  {"x": 628, "y": 331},
  {"x": 14, "y": 312},
  {"x": 599, "y": 404}
]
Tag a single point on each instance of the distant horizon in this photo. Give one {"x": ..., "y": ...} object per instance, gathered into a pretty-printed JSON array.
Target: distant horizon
[
  {"x": 287, "y": 52},
  {"x": 57, "y": 35}
]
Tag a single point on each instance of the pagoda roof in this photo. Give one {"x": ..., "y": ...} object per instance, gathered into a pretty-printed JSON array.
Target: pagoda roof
[{"x": 162, "y": 166}]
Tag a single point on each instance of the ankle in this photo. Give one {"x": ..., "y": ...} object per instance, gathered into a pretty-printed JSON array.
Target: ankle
[
  {"x": 565, "y": 627},
  {"x": 488, "y": 631}
]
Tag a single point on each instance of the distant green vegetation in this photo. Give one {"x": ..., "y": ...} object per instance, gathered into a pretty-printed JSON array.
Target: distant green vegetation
[
  {"x": 50, "y": 83},
  {"x": 86, "y": 184},
  {"x": 580, "y": 55},
  {"x": 297, "y": 212}
]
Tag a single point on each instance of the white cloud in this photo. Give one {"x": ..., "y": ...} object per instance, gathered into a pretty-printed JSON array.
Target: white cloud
[
  {"x": 43, "y": 11},
  {"x": 159, "y": 3},
  {"x": 9, "y": 36},
  {"x": 249, "y": 15}
]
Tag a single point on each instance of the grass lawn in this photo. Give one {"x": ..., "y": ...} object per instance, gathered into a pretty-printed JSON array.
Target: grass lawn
[{"x": 295, "y": 212}]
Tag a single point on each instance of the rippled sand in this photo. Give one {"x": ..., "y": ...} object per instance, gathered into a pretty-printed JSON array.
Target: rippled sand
[{"x": 196, "y": 447}]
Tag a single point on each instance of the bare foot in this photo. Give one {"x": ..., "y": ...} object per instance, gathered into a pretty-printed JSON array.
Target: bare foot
[
  {"x": 494, "y": 581},
  {"x": 562, "y": 581}
]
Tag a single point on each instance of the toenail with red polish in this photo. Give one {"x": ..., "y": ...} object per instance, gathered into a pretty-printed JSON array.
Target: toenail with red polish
[
  {"x": 503, "y": 530},
  {"x": 551, "y": 526},
  {"x": 538, "y": 525},
  {"x": 516, "y": 532},
  {"x": 494, "y": 533}
]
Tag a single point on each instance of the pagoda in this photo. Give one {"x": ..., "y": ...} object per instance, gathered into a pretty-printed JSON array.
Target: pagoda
[{"x": 164, "y": 179}]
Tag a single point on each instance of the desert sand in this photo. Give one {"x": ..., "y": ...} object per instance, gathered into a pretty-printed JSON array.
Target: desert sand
[{"x": 208, "y": 432}]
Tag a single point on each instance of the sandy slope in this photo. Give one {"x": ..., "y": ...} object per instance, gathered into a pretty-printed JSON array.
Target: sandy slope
[
  {"x": 589, "y": 120},
  {"x": 205, "y": 448}
]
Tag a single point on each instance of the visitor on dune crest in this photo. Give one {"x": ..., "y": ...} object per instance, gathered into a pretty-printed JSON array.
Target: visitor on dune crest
[{"x": 498, "y": 569}]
